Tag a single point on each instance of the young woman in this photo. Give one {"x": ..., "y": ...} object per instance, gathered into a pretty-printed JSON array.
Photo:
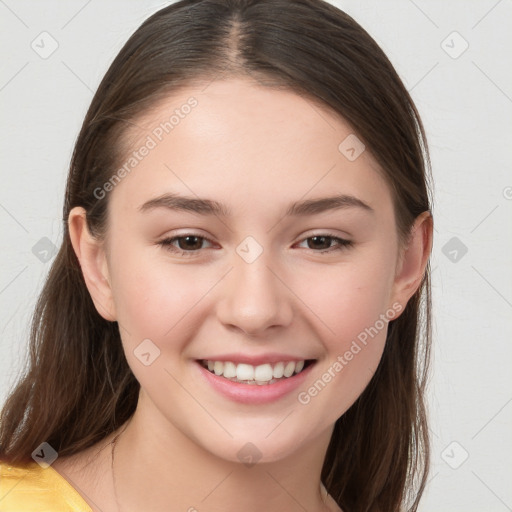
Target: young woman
[{"x": 238, "y": 317}]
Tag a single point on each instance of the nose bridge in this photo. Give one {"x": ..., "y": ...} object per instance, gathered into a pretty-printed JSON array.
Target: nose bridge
[{"x": 253, "y": 298}]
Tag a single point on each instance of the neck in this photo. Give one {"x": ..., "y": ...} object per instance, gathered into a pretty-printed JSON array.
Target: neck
[{"x": 155, "y": 465}]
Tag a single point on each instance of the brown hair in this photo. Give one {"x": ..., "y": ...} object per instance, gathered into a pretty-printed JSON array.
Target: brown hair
[{"x": 78, "y": 388}]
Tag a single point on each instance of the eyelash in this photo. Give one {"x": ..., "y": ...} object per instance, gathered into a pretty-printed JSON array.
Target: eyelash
[{"x": 167, "y": 243}]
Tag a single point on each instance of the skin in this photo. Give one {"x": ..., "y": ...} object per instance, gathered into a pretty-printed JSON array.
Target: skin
[{"x": 256, "y": 150}]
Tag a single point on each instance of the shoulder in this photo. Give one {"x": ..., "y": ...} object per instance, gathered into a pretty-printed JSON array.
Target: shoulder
[{"x": 30, "y": 487}]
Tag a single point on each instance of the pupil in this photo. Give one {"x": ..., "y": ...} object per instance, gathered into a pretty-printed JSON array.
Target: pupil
[
  {"x": 321, "y": 239},
  {"x": 189, "y": 242}
]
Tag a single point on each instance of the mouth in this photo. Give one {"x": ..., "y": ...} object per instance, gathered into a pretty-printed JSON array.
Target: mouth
[{"x": 260, "y": 375}]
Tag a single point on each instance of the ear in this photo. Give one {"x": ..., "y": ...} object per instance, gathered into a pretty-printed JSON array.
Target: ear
[
  {"x": 413, "y": 259},
  {"x": 93, "y": 261}
]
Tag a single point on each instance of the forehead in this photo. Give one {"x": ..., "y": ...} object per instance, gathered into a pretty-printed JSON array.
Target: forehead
[{"x": 246, "y": 145}]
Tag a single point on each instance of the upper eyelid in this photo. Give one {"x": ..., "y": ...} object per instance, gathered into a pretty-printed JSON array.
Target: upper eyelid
[
  {"x": 325, "y": 232},
  {"x": 198, "y": 235},
  {"x": 302, "y": 239}
]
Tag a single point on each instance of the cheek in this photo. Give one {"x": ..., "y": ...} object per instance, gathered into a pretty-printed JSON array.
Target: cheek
[
  {"x": 151, "y": 296},
  {"x": 351, "y": 303},
  {"x": 156, "y": 301},
  {"x": 349, "y": 298}
]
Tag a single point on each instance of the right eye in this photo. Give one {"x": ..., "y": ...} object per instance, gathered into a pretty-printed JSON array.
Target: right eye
[{"x": 184, "y": 245}]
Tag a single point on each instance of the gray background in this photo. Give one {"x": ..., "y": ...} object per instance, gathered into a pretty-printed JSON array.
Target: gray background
[{"x": 465, "y": 99}]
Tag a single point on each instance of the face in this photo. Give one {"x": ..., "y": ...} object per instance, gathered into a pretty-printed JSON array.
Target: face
[{"x": 223, "y": 248}]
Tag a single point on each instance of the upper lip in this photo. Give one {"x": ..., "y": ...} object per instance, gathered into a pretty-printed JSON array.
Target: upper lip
[{"x": 255, "y": 360}]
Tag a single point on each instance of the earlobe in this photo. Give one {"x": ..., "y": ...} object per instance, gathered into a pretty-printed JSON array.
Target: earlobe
[
  {"x": 91, "y": 255},
  {"x": 413, "y": 260}
]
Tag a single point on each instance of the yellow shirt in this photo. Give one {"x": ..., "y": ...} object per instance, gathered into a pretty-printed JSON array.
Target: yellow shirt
[{"x": 31, "y": 488}]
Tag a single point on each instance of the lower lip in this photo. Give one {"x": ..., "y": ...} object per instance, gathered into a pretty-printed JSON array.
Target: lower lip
[{"x": 254, "y": 393}]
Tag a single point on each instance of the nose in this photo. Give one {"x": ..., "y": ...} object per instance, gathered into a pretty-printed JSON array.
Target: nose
[{"x": 254, "y": 298}]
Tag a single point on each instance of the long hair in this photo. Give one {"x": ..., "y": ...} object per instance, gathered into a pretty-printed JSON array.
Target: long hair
[{"x": 77, "y": 387}]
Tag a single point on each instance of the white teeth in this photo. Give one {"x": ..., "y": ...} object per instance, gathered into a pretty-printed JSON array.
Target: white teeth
[
  {"x": 245, "y": 372},
  {"x": 229, "y": 370},
  {"x": 278, "y": 370},
  {"x": 263, "y": 373},
  {"x": 218, "y": 368},
  {"x": 289, "y": 369},
  {"x": 259, "y": 375}
]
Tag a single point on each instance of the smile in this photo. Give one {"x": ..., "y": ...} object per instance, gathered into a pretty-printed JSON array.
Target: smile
[
  {"x": 269, "y": 379},
  {"x": 263, "y": 374}
]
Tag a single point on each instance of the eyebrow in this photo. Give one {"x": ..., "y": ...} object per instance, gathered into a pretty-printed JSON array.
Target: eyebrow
[{"x": 210, "y": 207}]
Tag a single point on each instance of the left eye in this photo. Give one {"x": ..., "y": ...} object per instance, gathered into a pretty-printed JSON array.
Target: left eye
[
  {"x": 323, "y": 243},
  {"x": 189, "y": 244}
]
